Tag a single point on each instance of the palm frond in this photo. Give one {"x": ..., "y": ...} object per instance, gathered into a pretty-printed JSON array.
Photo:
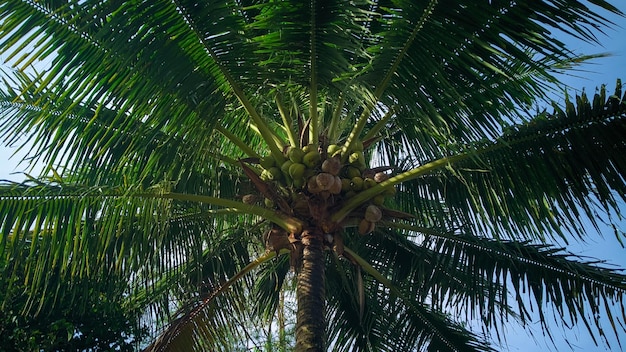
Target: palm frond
[
  {"x": 466, "y": 45},
  {"x": 538, "y": 178},
  {"x": 210, "y": 323},
  {"x": 103, "y": 146},
  {"x": 72, "y": 35},
  {"x": 394, "y": 319},
  {"x": 477, "y": 277},
  {"x": 81, "y": 228},
  {"x": 144, "y": 109}
]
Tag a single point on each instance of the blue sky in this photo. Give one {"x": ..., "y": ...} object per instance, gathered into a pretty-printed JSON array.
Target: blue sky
[
  {"x": 605, "y": 246},
  {"x": 602, "y": 70}
]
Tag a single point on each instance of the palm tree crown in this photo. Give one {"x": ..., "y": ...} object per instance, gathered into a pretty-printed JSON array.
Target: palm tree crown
[{"x": 196, "y": 151}]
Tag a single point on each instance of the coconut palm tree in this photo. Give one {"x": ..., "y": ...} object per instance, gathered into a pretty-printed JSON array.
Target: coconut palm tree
[{"x": 383, "y": 151}]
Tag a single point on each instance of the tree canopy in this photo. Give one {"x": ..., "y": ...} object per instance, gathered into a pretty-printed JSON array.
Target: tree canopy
[{"x": 389, "y": 152}]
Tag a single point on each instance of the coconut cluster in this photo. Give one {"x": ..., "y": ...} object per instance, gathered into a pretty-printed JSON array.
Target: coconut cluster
[{"x": 313, "y": 173}]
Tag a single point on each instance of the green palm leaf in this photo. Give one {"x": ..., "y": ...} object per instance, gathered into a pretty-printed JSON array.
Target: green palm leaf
[
  {"x": 477, "y": 276},
  {"x": 162, "y": 125},
  {"x": 536, "y": 178}
]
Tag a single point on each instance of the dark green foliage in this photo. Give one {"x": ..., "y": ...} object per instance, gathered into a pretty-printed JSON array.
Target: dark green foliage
[
  {"x": 144, "y": 114},
  {"x": 55, "y": 321}
]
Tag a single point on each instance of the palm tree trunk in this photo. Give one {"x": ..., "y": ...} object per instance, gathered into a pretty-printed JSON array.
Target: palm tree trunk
[
  {"x": 282, "y": 334},
  {"x": 310, "y": 324}
]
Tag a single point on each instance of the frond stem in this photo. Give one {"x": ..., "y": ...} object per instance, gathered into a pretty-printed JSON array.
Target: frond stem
[
  {"x": 288, "y": 223},
  {"x": 236, "y": 141},
  {"x": 314, "y": 126},
  {"x": 334, "y": 121},
  {"x": 287, "y": 121},
  {"x": 380, "y": 87},
  {"x": 379, "y": 125},
  {"x": 368, "y": 268},
  {"x": 264, "y": 130},
  {"x": 391, "y": 182},
  {"x": 163, "y": 342}
]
